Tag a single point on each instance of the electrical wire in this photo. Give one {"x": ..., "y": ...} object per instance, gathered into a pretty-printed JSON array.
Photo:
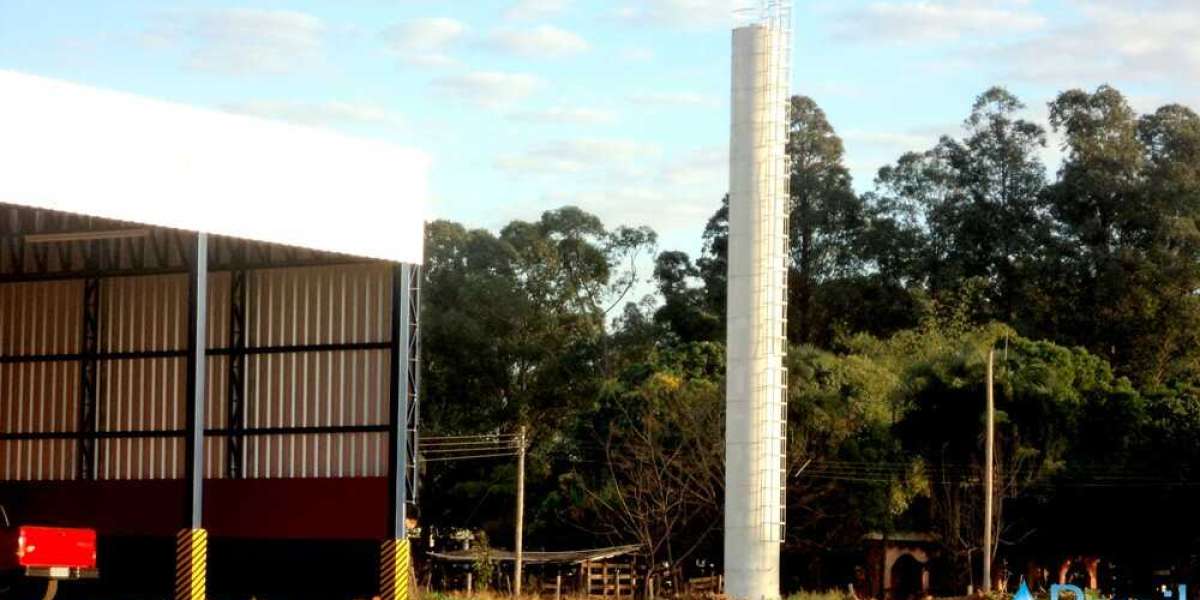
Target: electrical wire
[
  {"x": 473, "y": 436},
  {"x": 1083, "y": 476},
  {"x": 471, "y": 457},
  {"x": 467, "y": 447}
]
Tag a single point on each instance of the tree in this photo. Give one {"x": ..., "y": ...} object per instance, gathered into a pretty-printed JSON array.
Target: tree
[
  {"x": 1127, "y": 196},
  {"x": 840, "y": 413},
  {"x": 713, "y": 263},
  {"x": 977, "y": 201},
  {"x": 514, "y": 332},
  {"x": 659, "y": 452},
  {"x": 1042, "y": 394},
  {"x": 825, "y": 215},
  {"x": 684, "y": 313}
]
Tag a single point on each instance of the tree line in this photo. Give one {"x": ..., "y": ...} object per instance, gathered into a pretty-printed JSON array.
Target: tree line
[{"x": 1083, "y": 280}]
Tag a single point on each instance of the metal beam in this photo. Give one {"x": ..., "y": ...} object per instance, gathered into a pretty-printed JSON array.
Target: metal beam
[
  {"x": 245, "y": 432},
  {"x": 89, "y": 381},
  {"x": 249, "y": 351},
  {"x": 85, "y": 235},
  {"x": 237, "y": 371},
  {"x": 196, "y": 341},
  {"x": 414, "y": 379},
  {"x": 24, "y": 276},
  {"x": 395, "y": 567},
  {"x": 399, "y": 364},
  {"x": 41, "y": 245}
]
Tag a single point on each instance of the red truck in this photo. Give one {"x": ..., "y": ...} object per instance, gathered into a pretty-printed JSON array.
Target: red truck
[{"x": 29, "y": 553}]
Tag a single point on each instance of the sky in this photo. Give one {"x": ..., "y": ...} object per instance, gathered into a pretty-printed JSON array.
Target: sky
[{"x": 619, "y": 107}]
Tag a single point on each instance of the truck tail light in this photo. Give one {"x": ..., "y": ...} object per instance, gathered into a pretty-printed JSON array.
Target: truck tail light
[{"x": 56, "y": 547}]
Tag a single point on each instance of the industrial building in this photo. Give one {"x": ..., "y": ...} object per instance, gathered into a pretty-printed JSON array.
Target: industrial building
[{"x": 208, "y": 325}]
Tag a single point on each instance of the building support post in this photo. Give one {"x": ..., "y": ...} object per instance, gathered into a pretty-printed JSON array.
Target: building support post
[
  {"x": 89, "y": 374},
  {"x": 395, "y": 563},
  {"x": 236, "y": 398},
  {"x": 191, "y": 549}
]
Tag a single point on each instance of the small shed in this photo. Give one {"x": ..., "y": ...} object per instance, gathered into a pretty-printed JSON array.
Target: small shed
[{"x": 897, "y": 564}]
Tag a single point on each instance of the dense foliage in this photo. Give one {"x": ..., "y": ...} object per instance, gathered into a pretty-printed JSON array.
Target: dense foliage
[{"x": 1084, "y": 283}]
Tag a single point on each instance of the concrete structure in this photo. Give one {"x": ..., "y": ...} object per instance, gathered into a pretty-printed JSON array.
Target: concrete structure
[
  {"x": 756, "y": 408},
  {"x": 897, "y": 565},
  {"x": 208, "y": 323}
]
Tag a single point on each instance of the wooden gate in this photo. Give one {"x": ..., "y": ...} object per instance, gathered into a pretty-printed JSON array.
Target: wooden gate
[{"x": 608, "y": 579}]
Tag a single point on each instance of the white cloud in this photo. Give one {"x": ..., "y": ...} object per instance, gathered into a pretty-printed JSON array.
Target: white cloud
[
  {"x": 705, "y": 169},
  {"x": 424, "y": 41},
  {"x": 242, "y": 40},
  {"x": 1140, "y": 40},
  {"x": 890, "y": 140},
  {"x": 578, "y": 115},
  {"x": 663, "y": 209},
  {"x": 489, "y": 89},
  {"x": 330, "y": 114},
  {"x": 676, "y": 194},
  {"x": 631, "y": 183},
  {"x": 684, "y": 14},
  {"x": 927, "y": 21},
  {"x": 543, "y": 41},
  {"x": 610, "y": 156},
  {"x": 535, "y": 9},
  {"x": 674, "y": 99}
]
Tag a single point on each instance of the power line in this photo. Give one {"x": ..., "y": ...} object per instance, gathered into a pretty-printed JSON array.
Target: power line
[
  {"x": 468, "y": 447},
  {"x": 883, "y": 472},
  {"x": 471, "y": 457}
]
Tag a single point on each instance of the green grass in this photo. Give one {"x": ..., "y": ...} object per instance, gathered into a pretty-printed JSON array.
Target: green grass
[{"x": 822, "y": 595}]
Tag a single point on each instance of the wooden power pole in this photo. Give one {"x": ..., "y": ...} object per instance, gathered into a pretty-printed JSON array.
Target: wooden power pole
[
  {"x": 519, "y": 545},
  {"x": 988, "y": 475}
]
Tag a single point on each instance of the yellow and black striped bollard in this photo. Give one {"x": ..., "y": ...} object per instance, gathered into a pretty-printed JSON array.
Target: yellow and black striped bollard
[
  {"x": 191, "y": 564},
  {"x": 395, "y": 568}
]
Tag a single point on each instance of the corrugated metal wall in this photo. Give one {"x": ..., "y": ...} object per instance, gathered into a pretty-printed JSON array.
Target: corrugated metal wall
[
  {"x": 43, "y": 319},
  {"x": 322, "y": 387}
]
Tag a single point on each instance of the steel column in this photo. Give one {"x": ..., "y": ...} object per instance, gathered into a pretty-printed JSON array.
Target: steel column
[
  {"x": 196, "y": 341},
  {"x": 89, "y": 381},
  {"x": 237, "y": 371},
  {"x": 395, "y": 567},
  {"x": 414, "y": 377},
  {"x": 400, "y": 367},
  {"x": 191, "y": 548}
]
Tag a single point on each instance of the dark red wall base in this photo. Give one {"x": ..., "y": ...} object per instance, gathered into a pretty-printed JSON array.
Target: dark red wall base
[{"x": 313, "y": 509}]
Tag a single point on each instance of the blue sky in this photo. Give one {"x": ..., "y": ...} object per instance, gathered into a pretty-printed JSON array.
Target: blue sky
[{"x": 619, "y": 107}]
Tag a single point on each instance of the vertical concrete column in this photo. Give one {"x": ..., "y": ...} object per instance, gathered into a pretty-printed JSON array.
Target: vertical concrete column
[{"x": 756, "y": 342}]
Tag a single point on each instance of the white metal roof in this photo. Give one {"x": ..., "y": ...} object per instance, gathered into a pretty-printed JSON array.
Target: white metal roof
[{"x": 74, "y": 148}]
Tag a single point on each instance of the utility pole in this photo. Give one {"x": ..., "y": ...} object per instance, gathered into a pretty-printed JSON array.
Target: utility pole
[
  {"x": 470, "y": 571},
  {"x": 520, "y": 512},
  {"x": 988, "y": 475}
]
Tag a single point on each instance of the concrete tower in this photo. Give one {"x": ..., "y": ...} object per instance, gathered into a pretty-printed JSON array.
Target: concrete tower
[{"x": 756, "y": 382}]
